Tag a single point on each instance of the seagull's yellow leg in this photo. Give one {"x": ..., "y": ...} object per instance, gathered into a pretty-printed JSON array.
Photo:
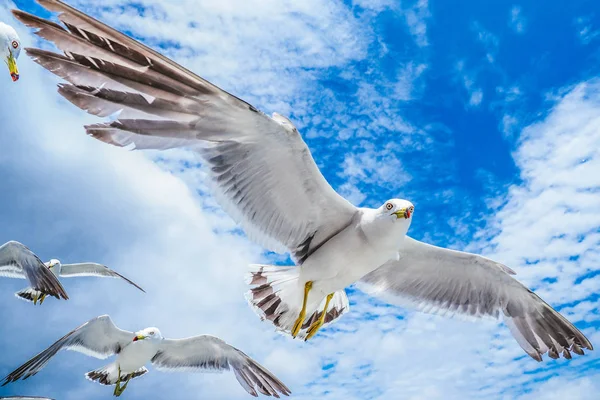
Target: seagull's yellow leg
[
  {"x": 35, "y": 298},
  {"x": 312, "y": 330},
  {"x": 118, "y": 391},
  {"x": 122, "y": 388},
  {"x": 42, "y": 298},
  {"x": 300, "y": 320}
]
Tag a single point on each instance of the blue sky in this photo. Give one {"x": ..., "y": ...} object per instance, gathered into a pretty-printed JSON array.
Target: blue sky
[{"x": 486, "y": 115}]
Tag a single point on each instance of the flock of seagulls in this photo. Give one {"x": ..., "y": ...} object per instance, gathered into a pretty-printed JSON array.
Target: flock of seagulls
[{"x": 264, "y": 176}]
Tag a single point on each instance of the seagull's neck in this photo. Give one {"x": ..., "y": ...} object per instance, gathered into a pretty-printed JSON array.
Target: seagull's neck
[{"x": 382, "y": 230}]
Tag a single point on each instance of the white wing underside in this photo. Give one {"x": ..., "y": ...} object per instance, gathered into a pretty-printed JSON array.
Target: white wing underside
[
  {"x": 11, "y": 271},
  {"x": 208, "y": 353},
  {"x": 261, "y": 170},
  {"x": 92, "y": 269},
  {"x": 448, "y": 282},
  {"x": 99, "y": 337}
]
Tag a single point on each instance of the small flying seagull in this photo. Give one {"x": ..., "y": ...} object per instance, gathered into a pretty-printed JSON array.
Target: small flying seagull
[
  {"x": 16, "y": 254},
  {"x": 100, "y": 338},
  {"x": 264, "y": 176},
  {"x": 17, "y": 261},
  {"x": 73, "y": 271},
  {"x": 10, "y": 48}
]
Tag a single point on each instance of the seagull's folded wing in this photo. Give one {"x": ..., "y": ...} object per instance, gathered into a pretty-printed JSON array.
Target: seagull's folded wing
[
  {"x": 438, "y": 280},
  {"x": 263, "y": 172},
  {"x": 17, "y": 261},
  {"x": 92, "y": 269},
  {"x": 211, "y": 353},
  {"x": 99, "y": 337}
]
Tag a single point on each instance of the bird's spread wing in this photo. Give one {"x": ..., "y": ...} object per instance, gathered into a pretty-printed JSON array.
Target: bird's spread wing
[
  {"x": 92, "y": 269},
  {"x": 17, "y": 261},
  {"x": 99, "y": 337},
  {"x": 211, "y": 353},
  {"x": 263, "y": 172},
  {"x": 439, "y": 280}
]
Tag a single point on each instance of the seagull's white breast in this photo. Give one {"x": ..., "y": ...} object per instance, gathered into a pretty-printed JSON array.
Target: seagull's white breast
[
  {"x": 353, "y": 253},
  {"x": 136, "y": 355}
]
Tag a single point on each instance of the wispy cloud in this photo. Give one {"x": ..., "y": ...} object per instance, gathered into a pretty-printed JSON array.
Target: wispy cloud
[
  {"x": 150, "y": 215},
  {"x": 416, "y": 17},
  {"x": 488, "y": 39},
  {"x": 517, "y": 22},
  {"x": 585, "y": 30},
  {"x": 474, "y": 92}
]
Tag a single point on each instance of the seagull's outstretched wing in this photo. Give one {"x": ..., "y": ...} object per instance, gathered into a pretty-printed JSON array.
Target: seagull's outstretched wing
[
  {"x": 263, "y": 172},
  {"x": 211, "y": 353},
  {"x": 17, "y": 261},
  {"x": 92, "y": 269},
  {"x": 99, "y": 337},
  {"x": 434, "y": 279}
]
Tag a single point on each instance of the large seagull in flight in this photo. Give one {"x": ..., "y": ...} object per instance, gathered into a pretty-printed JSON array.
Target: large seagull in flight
[{"x": 266, "y": 179}]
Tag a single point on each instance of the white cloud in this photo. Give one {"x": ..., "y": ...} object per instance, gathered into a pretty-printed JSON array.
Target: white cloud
[
  {"x": 72, "y": 197},
  {"x": 416, "y": 18},
  {"x": 488, "y": 39},
  {"x": 407, "y": 77},
  {"x": 476, "y": 97},
  {"x": 585, "y": 30},
  {"x": 517, "y": 21},
  {"x": 468, "y": 80}
]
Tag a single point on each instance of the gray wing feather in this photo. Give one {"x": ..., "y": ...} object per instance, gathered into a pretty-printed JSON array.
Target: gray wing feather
[
  {"x": 263, "y": 173},
  {"x": 211, "y": 353},
  {"x": 17, "y": 261},
  {"x": 99, "y": 337},
  {"x": 92, "y": 269},
  {"x": 438, "y": 280}
]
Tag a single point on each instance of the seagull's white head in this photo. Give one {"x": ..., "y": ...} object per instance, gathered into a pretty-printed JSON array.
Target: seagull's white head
[
  {"x": 397, "y": 209},
  {"x": 10, "y": 48},
  {"x": 149, "y": 334},
  {"x": 53, "y": 263}
]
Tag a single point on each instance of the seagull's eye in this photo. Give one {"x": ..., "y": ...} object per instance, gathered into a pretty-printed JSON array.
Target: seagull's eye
[
  {"x": 389, "y": 206},
  {"x": 151, "y": 333},
  {"x": 15, "y": 44}
]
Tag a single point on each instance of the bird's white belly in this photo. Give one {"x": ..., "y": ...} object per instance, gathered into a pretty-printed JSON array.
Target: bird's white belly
[
  {"x": 344, "y": 260},
  {"x": 135, "y": 356}
]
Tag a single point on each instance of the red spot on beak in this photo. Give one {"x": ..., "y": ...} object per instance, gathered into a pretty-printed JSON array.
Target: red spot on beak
[
  {"x": 135, "y": 339},
  {"x": 15, "y": 77}
]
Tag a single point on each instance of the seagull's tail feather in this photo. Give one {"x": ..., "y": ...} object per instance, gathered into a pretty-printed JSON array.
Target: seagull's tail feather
[
  {"x": 108, "y": 374},
  {"x": 276, "y": 295},
  {"x": 28, "y": 294}
]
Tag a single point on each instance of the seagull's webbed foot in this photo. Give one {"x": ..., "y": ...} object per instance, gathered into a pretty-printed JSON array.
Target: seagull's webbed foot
[
  {"x": 300, "y": 319},
  {"x": 312, "y": 330},
  {"x": 42, "y": 298}
]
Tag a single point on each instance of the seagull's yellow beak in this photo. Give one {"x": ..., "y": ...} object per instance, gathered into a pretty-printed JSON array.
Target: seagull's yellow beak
[
  {"x": 139, "y": 337},
  {"x": 12, "y": 67},
  {"x": 403, "y": 213}
]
